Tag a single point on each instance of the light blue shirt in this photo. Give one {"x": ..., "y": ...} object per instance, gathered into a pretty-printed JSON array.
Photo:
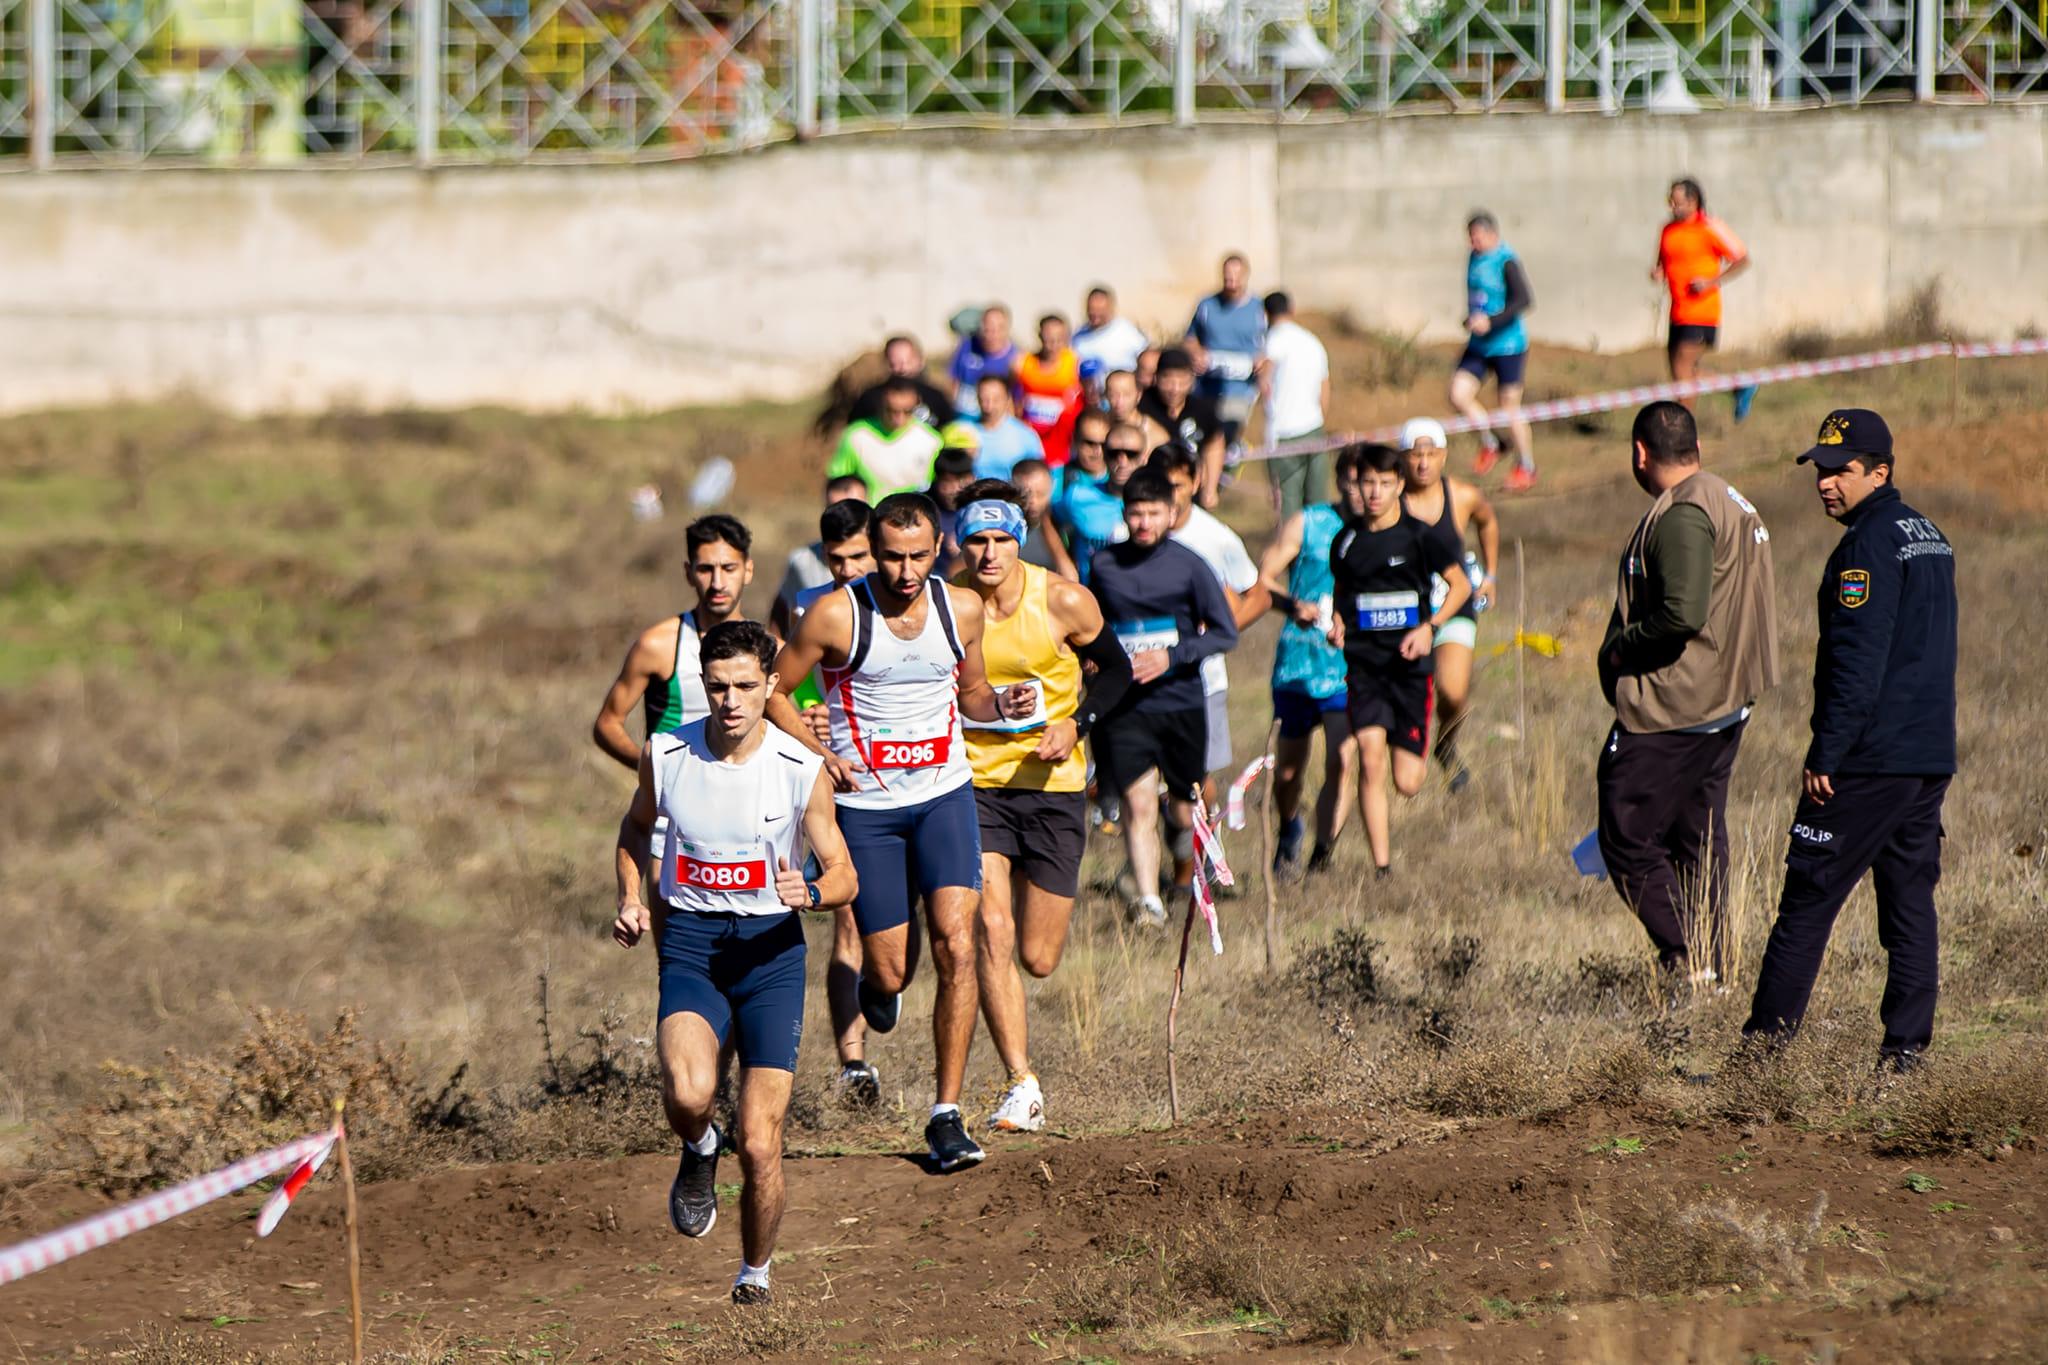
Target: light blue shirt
[
  {"x": 1234, "y": 334},
  {"x": 1002, "y": 445}
]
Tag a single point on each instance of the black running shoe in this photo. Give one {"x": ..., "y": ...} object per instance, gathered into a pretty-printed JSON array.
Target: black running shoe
[
  {"x": 1319, "y": 861},
  {"x": 881, "y": 1010},
  {"x": 693, "y": 1199},
  {"x": 951, "y": 1147},
  {"x": 1289, "y": 848},
  {"x": 746, "y": 1295},
  {"x": 1460, "y": 780},
  {"x": 859, "y": 1085},
  {"x": 1380, "y": 874}
]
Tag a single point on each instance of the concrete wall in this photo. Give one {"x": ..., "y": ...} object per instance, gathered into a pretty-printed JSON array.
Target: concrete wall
[{"x": 647, "y": 286}]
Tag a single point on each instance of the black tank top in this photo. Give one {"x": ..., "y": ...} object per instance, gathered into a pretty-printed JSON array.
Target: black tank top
[{"x": 1444, "y": 532}]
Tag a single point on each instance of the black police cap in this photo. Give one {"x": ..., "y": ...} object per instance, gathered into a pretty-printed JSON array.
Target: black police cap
[{"x": 1846, "y": 434}]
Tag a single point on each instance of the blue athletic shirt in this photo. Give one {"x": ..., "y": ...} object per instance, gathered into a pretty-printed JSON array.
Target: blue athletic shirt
[
  {"x": 1486, "y": 291},
  {"x": 1234, "y": 335},
  {"x": 1304, "y": 660},
  {"x": 1091, "y": 516}
]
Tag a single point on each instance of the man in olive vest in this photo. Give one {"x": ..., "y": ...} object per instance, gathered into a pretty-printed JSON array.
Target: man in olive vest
[{"x": 1692, "y": 644}]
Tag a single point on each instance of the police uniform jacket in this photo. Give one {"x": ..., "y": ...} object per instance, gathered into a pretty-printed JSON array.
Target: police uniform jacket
[{"x": 1884, "y": 682}]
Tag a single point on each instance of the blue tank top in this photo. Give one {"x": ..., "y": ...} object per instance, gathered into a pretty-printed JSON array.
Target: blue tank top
[
  {"x": 1304, "y": 660},
  {"x": 1486, "y": 291},
  {"x": 1090, "y": 514}
]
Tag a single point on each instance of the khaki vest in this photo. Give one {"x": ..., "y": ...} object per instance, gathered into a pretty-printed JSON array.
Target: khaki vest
[{"x": 1730, "y": 662}]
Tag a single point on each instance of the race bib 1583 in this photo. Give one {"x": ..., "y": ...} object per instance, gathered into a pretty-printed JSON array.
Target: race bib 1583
[{"x": 1388, "y": 610}]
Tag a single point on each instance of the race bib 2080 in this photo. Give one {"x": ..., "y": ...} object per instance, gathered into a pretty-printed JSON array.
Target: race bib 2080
[{"x": 720, "y": 869}]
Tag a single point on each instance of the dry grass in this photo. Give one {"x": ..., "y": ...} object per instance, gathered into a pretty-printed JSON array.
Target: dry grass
[
  {"x": 1985, "y": 1102},
  {"x": 1664, "y": 1246},
  {"x": 296, "y": 718}
]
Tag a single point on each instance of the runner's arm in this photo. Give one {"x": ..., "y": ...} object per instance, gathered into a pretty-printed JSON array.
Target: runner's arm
[
  {"x": 1279, "y": 556},
  {"x": 609, "y": 731},
  {"x": 1212, "y": 611},
  {"x": 836, "y": 882},
  {"x": 1062, "y": 561},
  {"x": 1480, "y": 513},
  {"x": 1519, "y": 300},
  {"x": 629, "y": 858},
  {"x": 825, "y": 625},
  {"x": 978, "y": 700},
  {"x": 1078, "y": 614},
  {"x": 1212, "y": 469}
]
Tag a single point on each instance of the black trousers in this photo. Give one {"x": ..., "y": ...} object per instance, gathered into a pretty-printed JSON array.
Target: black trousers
[
  {"x": 1664, "y": 836},
  {"x": 1887, "y": 826}
]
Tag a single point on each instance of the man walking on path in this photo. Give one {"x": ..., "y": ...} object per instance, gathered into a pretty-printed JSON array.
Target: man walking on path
[
  {"x": 1692, "y": 644},
  {"x": 1884, "y": 743}
]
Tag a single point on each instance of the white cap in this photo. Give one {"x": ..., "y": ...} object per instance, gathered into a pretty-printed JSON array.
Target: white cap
[{"x": 1417, "y": 429}]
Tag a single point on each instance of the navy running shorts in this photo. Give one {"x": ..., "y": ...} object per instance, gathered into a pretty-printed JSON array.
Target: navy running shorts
[
  {"x": 1301, "y": 715},
  {"x": 1693, "y": 334},
  {"x": 900, "y": 855},
  {"x": 1507, "y": 370},
  {"x": 1398, "y": 702},
  {"x": 749, "y": 968}
]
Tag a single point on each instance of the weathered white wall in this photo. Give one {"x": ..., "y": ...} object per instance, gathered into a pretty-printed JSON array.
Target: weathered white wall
[{"x": 648, "y": 286}]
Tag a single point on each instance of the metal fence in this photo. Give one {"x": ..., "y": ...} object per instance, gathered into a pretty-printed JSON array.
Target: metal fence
[{"x": 237, "y": 82}]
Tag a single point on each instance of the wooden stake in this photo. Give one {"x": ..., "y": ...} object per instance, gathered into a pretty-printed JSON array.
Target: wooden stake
[
  {"x": 355, "y": 1259},
  {"x": 1955, "y": 388},
  {"x": 1180, "y": 972},
  {"x": 1266, "y": 851}
]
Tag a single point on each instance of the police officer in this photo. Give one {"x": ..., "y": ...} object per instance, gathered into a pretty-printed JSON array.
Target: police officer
[{"x": 1884, "y": 743}]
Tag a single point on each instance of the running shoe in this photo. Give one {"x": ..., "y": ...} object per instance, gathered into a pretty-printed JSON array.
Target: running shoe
[
  {"x": 1460, "y": 780},
  {"x": 1022, "y": 1109},
  {"x": 1148, "y": 912},
  {"x": 1488, "y": 457},
  {"x": 879, "y": 1008},
  {"x": 1319, "y": 861},
  {"x": 951, "y": 1148},
  {"x": 1521, "y": 478},
  {"x": 693, "y": 1198},
  {"x": 859, "y": 1085},
  {"x": 1380, "y": 874},
  {"x": 745, "y": 1295},
  {"x": 1744, "y": 397},
  {"x": 1292, "y": 831}
]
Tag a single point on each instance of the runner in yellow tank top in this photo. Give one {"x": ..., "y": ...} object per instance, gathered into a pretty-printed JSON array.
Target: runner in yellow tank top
[{"x": 1030, "y": 776}]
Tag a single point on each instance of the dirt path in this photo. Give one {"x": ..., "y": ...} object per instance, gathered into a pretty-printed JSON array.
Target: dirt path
[{"x": 1512, "y": 1227}]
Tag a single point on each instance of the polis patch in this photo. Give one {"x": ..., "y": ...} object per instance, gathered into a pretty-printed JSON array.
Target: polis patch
[{"x": 1854, "y": 589}]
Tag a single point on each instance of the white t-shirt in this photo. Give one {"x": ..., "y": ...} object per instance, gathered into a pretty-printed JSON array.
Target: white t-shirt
[
  {"x": 1300, "y": 365},
  {"x": 1117, "y": 344},
  {"x": 1223, "y": 551}
]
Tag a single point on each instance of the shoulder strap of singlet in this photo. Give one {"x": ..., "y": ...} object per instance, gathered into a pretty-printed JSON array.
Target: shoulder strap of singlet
[
  {"x": 863, "y": 624},
  {"x": 683, "y": 624},
  {"x": 942, "y": 603}
]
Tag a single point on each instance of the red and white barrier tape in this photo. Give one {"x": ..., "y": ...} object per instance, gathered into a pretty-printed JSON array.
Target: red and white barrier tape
[
  {"x": 1650, "y": 393},
  {"x": 90, "y": 1234}
]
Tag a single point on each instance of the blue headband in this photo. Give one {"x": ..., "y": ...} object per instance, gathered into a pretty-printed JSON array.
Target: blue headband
[{"x": 990, "y": 514}]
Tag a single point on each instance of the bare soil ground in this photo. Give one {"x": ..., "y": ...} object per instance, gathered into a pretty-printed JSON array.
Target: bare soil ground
[
  {"x": 1520, "y": 1231},
  {"x": 293, "y": 718}
]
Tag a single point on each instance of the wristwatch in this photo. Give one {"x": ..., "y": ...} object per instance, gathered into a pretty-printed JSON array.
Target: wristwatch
[{"x": 812, "y": 887}]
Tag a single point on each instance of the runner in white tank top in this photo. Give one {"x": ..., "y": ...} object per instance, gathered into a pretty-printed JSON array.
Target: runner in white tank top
[
  {"x": 894, "y": 707},
  {"x": 900, "y": 654},
  {"x": 731, "y": 950}
]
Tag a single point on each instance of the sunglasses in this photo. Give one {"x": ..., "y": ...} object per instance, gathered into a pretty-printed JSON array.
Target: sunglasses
[{"x": 1126, "y": 453}]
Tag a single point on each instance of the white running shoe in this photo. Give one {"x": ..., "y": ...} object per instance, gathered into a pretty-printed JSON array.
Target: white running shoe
[{"x": 1022, "y": 1109}]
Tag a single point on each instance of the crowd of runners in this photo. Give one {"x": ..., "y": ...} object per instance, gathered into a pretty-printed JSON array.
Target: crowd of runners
[{"x": 1013, "y": 626}]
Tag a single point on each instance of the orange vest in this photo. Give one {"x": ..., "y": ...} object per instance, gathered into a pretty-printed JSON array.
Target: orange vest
[{"x": 1051, "y": 400}]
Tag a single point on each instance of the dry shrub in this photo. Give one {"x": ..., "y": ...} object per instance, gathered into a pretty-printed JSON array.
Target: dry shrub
[
  {"x": 177, "y": 1346},
  {"x": 1380, "y": 1298},
  {"x": 1388, "y": 360},
  {"x": 1220, "y": 1264},
  {"x": 1972, "y": 1104},
  {"x": 1341, "y": 971},
  {"x": 1617, "y": 1076},
  {"x": 1486, "y": 1078},
  {"x": 194, "y": 1114},
  {"x": 788, "y": 1326},
  {"x": 1664, "y": 1247},
  {"x": 1817, "y": 1078},
  {"x": 1917, "y": 318}
]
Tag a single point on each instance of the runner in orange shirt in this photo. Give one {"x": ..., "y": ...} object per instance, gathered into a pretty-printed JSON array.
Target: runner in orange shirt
[
  {"x": 1050, "y": 384},
  {"x": 1696, "y": 255}
]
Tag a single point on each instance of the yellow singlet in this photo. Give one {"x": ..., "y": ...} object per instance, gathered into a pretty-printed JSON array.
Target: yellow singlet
[{"x": 1028, "y": 647}]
